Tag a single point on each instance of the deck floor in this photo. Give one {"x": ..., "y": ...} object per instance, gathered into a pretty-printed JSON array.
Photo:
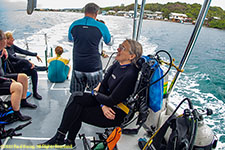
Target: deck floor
[{"x": 46, "y": 118}]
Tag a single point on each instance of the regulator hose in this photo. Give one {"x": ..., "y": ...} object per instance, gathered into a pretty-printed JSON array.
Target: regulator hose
[
  {"x": 171, "y": 60},
  {"x": 109, "y": 61}
]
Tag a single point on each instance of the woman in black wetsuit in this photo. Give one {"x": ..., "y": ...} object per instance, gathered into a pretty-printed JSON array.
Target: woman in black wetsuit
[{"x": 99, "y": 108}]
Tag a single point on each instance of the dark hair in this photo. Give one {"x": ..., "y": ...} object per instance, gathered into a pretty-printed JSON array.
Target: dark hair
[
  {"x": 91, "y": 8},
  {"x": 2, "y": 35}
]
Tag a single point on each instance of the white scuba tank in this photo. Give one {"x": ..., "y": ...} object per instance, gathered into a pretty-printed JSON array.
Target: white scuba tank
[{"x": 205, "y": 138}]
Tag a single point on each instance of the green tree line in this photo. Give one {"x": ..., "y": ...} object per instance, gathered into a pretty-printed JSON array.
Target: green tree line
[{"x": 191, "y": 10}]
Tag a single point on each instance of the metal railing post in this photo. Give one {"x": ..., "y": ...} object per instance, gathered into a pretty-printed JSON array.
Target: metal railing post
[
  {"x": 46, "y": 50},
  {"x": 192, "y": 41},
  {"x": 140, "y": 20},
  {"x": 135, "y": 20}
]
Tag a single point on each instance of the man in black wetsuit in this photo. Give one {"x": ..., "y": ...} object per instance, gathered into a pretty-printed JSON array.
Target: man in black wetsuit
[
  {"x": 87, "y": 34},
  {"x": 100, "y": 108},
  {"x": 31, "y": 71}
]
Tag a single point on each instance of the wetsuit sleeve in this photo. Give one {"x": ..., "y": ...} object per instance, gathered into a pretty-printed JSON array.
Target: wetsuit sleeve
[
  {"x": 108, "y": 39},
  {"x": 25, "y": 52},
  {"x": 70, "y": 37},
  {"x": 120, "y": 93}
]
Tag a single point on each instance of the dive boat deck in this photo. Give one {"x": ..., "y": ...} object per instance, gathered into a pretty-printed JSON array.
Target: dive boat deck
[{"x": 46, "y": 118}]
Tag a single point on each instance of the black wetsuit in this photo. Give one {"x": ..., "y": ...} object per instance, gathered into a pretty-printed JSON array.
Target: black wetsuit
[
  {"x": 117, "y": 85},
  {"x": 5, "y": 79},
  {"x": 15, "y": 49},
  {"x": 87, "y": 34},
  {"x": 26, "y": 67}
]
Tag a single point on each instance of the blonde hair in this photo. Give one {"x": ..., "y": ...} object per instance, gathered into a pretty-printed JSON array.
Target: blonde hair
[
  {"x": 8, "y": 35},
  {"x": 135, "y": 48},
  {"x": 59, "y": 50}
]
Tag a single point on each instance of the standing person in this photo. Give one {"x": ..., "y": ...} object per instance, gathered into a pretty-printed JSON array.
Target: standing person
[
  {"x": 31, "y": 71},
  {"x": 100, "y": 108},
  {"x": 86, "y": 33},
  {"x": 58, "y": 69},
  {"x": 15, "y": 85}
]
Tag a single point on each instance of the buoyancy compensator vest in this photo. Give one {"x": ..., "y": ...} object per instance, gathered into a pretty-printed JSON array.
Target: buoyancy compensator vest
[
  {"x": 155, "y": 90},
  {"x": 6, "y": 113},
  {"x": 148, "y": 92}
]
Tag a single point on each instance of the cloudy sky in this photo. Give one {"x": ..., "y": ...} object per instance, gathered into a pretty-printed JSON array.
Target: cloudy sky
[{"x": 101, "y": 3}]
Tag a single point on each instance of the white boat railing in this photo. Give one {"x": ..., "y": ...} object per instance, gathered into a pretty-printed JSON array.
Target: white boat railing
[{"x": 44, "y": 43}]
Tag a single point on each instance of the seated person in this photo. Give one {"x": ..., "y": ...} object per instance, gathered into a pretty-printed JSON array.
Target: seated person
[
  {"x": 31, "y": 71},
  {"x": 99, "y": 108},
  {"x": 58, "y": 69},
  {"x": 13, "y": 49},
  {"x": 14, "y": 84}
]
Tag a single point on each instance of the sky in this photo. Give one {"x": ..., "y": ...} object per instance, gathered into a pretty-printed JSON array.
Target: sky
[{"x": 103, "y": 3}]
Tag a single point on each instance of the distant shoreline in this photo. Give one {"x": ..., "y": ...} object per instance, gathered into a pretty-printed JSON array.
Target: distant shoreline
[{"x": 80, "y": 11}]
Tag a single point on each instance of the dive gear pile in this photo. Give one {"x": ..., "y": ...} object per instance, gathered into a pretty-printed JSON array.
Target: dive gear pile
[
  {"x": 108, "y": 140},
  {"x": 184, "y": 132}
]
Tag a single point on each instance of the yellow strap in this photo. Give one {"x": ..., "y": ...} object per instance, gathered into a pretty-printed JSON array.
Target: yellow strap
[{"x": 123, "y": 107}]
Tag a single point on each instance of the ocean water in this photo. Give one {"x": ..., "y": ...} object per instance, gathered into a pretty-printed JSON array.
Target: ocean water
[{"x": 203, "y": 80}]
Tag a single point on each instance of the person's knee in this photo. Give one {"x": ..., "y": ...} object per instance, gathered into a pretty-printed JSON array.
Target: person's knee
[
  {"x": 16, "y": 87},
  {"x": 22, "y": 77}
]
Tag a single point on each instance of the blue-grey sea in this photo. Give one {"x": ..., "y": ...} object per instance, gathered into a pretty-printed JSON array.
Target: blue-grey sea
[{"x": 203, "y": 80}]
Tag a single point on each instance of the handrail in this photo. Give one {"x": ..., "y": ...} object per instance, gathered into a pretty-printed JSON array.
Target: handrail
[
  {"x": 135, "y": 20},
  {"x": 31, "y": 4},
  {"x": 45, "y": 43},
  {"x": 140, "y": 20},
  {"x": 192, "y": 41}
]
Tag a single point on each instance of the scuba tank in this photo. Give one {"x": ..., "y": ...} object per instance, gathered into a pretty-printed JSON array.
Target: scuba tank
[
  {"x": 188, "y": 132},
  {"x": 205, "y": 138}
]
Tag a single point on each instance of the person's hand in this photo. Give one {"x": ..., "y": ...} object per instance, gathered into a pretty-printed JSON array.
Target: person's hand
[
  {"x": 97, "y": 87},
  {"x": 5, "y": 53},
  {"x": 32, "y": 65},
  {"x": 39, "y": 58},
  {"x": 104, "y": 55},
  {"x": 108, "y": 112}
]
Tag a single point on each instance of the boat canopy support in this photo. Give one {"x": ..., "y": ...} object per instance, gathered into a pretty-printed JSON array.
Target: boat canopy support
[
  {"x": 31, "y": 4},
  {"x": 135, "y": 19},
  {"x": 140, "y": 20},
  {"x": 137, "y": 32},
  {"x": 200, "y": 20}
]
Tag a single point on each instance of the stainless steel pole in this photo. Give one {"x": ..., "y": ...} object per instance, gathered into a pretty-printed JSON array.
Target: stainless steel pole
[
  {"x": 135, "y": 19},
  {"x": 200, "y": 20},
  {"x": 140, "y": 20}
]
